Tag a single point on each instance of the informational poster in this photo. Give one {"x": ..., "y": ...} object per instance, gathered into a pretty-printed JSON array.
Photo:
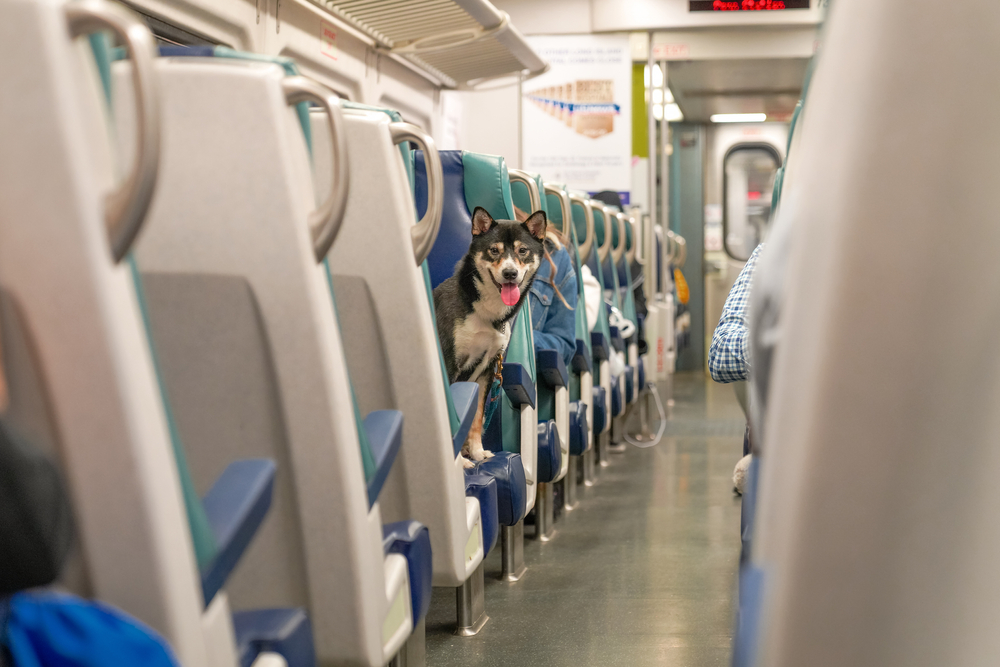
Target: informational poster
[{"x": 577, "y": 117}]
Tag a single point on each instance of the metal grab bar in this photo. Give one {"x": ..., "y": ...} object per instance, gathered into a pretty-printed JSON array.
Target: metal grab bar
[
  {"x": 619, "y": 250},
  {"x": 126, "y": 206},
  {"x": 522, "y": 177},
  {"x": 682, "y": 252},
  {"x": 631, "y": 253},
  {"x": 564, "y": 207},
  {"x": 587, "y": 244},
  {"x": 678, "y": 249},
  {"x": 325, "y": 221},
  {"x": 604, "y": 248},
  {"x": 425, "y": 232}
]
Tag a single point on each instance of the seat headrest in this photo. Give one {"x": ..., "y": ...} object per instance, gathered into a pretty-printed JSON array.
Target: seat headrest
[{"x": 470, "y": 180}]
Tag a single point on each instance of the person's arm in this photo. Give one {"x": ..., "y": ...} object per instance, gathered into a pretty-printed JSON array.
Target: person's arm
[
  {"x": 728, "y": 358},
  {"x": 560, "y": 325}
]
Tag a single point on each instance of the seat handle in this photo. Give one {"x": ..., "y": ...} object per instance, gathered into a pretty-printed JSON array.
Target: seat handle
[
  {"x": 523, "y": 177},
  {"x": 425, "y": 232},
  {"x": 325, "y": 221},
  {"x": 588, "y": 214},
  {"x": 126, "y": 205},
  {"x": 617, "y": 250},
  {"x": 604, "y": 248}
]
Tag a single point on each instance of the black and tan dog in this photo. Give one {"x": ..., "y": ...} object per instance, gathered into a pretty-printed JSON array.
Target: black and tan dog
[{"x": 476, "y": 305}]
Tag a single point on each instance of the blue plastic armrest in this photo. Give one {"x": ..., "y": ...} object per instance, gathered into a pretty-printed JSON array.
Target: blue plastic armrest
[
  {"x": 465, "y": 396},
  {"x": 235, "y": 507},
  {"x": 602, "y": 351},
  {"x": 385, "y": 434},
  {"x": 581, "y": 360},
  {"x": 286, "y": 632},
  {"x": 518, "y": 384},
  {"x": 549, "y": 452},
  {"x": 552, "y": 368},
  {"x": 616, "y": 338},
  {"x": 412, "y": 540}
]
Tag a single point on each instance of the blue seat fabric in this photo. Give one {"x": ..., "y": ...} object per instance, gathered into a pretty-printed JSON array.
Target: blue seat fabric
[
  {"x": 286, "y": 632},
  {"x": 384, "y": 429},
  {"x": 616, "y": 399},
  {"x": 508, "y": 472},
  {"x": 600, "y": 345},
  {"x": 600, "y": 405},
  {"x": 412, "y": 540},
  {"x": 642, "y": 373},
  {"x": 235, "y": 506},
  {"x": 455, "y": 233},
  {"x": 484, "y": 489},
  {"x": 552, "y": 368},
  {"x": 549, "y": 451},
  {"x": 616, "y": 339},
  {"x": 577, "y": 428},
  {"x": 465, "y": 396}
]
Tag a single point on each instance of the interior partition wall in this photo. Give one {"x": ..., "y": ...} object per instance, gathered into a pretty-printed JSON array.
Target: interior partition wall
[{"x": 687, "y": 219}]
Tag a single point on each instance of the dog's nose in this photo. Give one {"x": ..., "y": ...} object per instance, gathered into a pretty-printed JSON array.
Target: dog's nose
[{"x": 510, "y": 274}]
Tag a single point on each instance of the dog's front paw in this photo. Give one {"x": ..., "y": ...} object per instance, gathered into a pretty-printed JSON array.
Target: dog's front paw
[
  {"x": 481, "y": 454},
  {"x": 467, "y": 464}
]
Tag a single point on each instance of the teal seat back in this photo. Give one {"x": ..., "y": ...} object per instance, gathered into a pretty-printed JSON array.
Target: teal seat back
[
  {"x": 568, "y": 228},
  {"x": 602, "y": 325}
]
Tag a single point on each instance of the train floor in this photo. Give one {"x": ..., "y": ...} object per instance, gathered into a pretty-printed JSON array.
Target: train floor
[{"x": 642, "y": 572}]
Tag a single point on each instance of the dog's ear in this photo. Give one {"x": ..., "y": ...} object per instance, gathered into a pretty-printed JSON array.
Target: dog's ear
[
  {"x": 482, "y": 221},
  {"x": 536, "y": 224}
]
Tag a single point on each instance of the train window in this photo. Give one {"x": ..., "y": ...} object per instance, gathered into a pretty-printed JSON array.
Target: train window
[
  {"x": 747, "y": 182},
  {"x": 168, "y": 34}
]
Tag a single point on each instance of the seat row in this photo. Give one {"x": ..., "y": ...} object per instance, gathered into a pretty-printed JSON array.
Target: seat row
[{"x": 228, "y": 346}]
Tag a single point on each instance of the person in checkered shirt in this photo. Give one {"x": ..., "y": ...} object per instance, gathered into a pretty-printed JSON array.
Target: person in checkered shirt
[{"x": 728, "y": 357}]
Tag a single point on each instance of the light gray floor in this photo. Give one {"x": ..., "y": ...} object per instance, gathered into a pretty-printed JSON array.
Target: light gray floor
[{"x": 642, "y": 573}]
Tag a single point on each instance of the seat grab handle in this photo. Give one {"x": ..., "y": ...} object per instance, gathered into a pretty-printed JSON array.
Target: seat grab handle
[
  {"x": 588, "y": 241},
  {"x": 125, "y": 207},
  {"x": 425, "y": 232},
  {"x": 518, "y": 176},
  {"x": 325, "y": 221}
]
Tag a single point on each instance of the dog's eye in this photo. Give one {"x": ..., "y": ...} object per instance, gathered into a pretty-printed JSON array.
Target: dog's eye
[
  {"x": 494, "y": 252},
  {"x": 522, "y": 252}
]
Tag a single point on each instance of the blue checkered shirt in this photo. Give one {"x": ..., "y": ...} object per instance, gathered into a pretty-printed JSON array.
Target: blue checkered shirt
[{"x": 728, "y": 358}]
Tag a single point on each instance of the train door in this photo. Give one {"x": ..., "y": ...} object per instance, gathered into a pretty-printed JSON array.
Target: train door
[{"x": 741, "y": 164}]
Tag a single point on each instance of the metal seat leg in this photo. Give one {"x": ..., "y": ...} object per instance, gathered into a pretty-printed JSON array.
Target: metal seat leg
[
  {"x": 470, "y": 599},
  {"x": 512, "y": 551}
]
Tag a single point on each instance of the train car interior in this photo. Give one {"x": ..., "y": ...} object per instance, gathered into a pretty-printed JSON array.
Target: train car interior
[{"x": 498, "y": 333}]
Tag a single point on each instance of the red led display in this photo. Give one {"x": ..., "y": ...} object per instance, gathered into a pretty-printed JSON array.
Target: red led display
[{"x": 746, "y": 5}]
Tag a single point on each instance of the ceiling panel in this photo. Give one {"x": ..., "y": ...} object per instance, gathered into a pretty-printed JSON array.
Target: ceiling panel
[{"x": 706, "y": 87}]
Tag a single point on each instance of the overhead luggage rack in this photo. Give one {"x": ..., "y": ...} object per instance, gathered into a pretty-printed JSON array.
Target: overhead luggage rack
[{"x": 460, "y": 43}]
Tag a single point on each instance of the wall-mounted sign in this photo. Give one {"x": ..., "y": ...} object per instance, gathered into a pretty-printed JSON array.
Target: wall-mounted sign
[
  {"x": 746, "y": 5},
  {"x": 577, "y": 117}
]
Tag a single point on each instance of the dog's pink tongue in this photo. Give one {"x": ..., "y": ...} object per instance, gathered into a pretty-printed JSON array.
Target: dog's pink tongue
[{"x": 510, "y": 293}]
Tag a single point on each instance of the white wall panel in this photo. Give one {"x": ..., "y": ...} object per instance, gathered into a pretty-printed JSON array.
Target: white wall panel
[{"x": 490, "y": 123}]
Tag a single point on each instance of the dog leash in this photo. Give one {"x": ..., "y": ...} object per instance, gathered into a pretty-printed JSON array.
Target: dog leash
[{"x": 494, "y": 395}]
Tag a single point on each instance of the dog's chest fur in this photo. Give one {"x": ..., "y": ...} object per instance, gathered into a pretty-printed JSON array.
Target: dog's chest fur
[{"x": 477, "y": 343}]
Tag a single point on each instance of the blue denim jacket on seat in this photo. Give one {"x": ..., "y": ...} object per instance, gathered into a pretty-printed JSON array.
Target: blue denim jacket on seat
[{"x": 554, "y": 324}]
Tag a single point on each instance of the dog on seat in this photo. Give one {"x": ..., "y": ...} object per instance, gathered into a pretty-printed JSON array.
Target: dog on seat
[{"x": 475, "y": 307}]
